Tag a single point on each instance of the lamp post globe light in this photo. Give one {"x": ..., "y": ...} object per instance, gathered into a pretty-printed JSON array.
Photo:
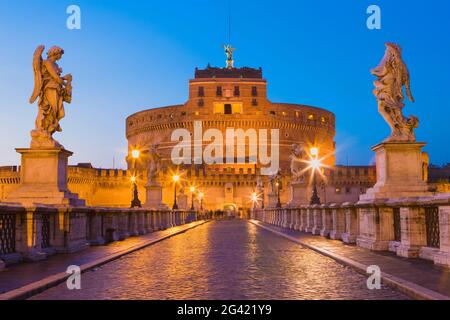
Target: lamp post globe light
[
  {"x": 315, "y": 165},
  {"x": 175, "y": 179},
  {"x": 135, "y": 202}
]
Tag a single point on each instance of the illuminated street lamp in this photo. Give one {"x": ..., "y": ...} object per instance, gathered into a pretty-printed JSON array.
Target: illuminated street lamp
[
  {"x": 315, "y": 165},
  {"x": 192, "y": 189},
  {"x": 175, "y": 179},
  {"x": 254, "y": 198},
  {"x": 135, "y": 202},
  {"x": 201, "y": 195}
]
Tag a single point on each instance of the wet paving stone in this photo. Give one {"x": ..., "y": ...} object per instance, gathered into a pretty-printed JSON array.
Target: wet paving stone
[{"x": 223, "y": 260}]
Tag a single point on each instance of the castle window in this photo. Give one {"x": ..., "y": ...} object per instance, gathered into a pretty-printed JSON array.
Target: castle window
[
  {"x": 272, "y": 113},
  {"x": 297, "y": 114},
  {"x": 237, "y": 91},
  {"x": 323, "y": 120},
  {"x": 183, "y": 113},
  {"x": 284, "y": 113},
  {"x": 201, "y": 91},
  {"x": 348, "y": 190},
  {"x": 219, "y": 91},
  {"x": 201, "y": 103},
  {"x": 338, "y": 190},
  {"x": 228, "y": 109},
  {"x": 254, "y": 91},
  {"x": 254, "y": 102},
  {"x": 310, "y": 116}
]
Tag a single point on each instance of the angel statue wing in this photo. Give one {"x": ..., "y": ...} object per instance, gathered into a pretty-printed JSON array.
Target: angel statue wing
[{"x": 37, "y": 63}]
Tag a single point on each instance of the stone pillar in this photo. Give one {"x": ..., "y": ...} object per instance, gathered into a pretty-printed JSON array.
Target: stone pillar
[
  {"x": 413, "y": 232},
  {"x": 295, "y": 219},
  {"x": 317, "y": 214},
  {"x": 351, "y": 223},
  {"x": 43, "y": 178},
  {"x": 69, "y": 225},
  {"x": 272, "y": 199},
  {"x": 309, "y": 219},
  {"x": 280, "y": 217},
  {"x": 443, "y": 256},
  {"x": 376, "y": 227},
  {"x": 114, "y": 225},
  {"x": 140, "y": 220},
  {"x": 338, "y": 222},
  {"x": 95, "y": 227},
  {"x": 148, "y": 225},
  {"x": 327, "y": 221},
  {"x": 286, "y": 218},
  {"x": 123, "y": 223},
  {"x": 303, "y": 219},
  {"x": 133, "y": 222},
  {"x": 31, "y": 236}
]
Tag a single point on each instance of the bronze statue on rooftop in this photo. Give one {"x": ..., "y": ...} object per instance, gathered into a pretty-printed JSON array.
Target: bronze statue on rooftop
[{"x": 229, "y": 53}]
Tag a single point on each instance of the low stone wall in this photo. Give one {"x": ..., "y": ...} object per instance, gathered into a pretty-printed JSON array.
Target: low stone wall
[
  {"x": 412, "y": 228},
  {"x": 33, "y": 233}
]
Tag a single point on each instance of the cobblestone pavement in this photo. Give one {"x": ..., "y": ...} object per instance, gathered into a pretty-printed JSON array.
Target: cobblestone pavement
[
  {"x": 23, "y": 274},
  {"x": 416, "y": 271},
  {"x": 223, "y": 260}
]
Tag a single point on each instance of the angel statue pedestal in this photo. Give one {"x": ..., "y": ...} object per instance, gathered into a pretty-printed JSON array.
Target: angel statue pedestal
[
  {"x": 154, "y": 197},
  {"x": 400, "y": 171},
  {"x": 299, "y": 194},
  {"x": 272, "y": 200},
  {"x": 43, "y": 178}
]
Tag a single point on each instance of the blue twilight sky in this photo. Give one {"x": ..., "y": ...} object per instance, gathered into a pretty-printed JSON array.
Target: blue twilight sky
[{"x": 133, "y": 55}]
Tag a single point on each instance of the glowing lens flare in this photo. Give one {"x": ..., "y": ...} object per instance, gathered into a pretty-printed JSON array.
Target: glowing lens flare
[{"x": 135, "y": 153}]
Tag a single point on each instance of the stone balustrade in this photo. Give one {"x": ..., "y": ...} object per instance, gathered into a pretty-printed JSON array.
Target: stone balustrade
[
  {"x": 410, "y": 227},
  {"x": 33, "y": 233}
]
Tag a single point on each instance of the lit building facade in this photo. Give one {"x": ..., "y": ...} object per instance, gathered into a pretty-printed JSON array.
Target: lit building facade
[{"x": 223, "y": 98}]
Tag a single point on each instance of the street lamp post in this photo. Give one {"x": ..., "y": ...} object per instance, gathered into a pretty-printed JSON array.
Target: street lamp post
[
  {"x": 278, "y": 185},
  {"x": 315, "y": 165},
  {"x": 262, "y": 199},
  {"x": 192, "y": 189},
  {"x": 135, "y": 202},
  {"x": 175, "y": 179}
]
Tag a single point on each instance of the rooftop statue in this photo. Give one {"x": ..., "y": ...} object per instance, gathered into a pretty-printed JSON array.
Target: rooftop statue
[
  {"x": 51, "y": 90},
  {"x": 393, "y": 75},
  {"x": 229, "y": 53}
]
